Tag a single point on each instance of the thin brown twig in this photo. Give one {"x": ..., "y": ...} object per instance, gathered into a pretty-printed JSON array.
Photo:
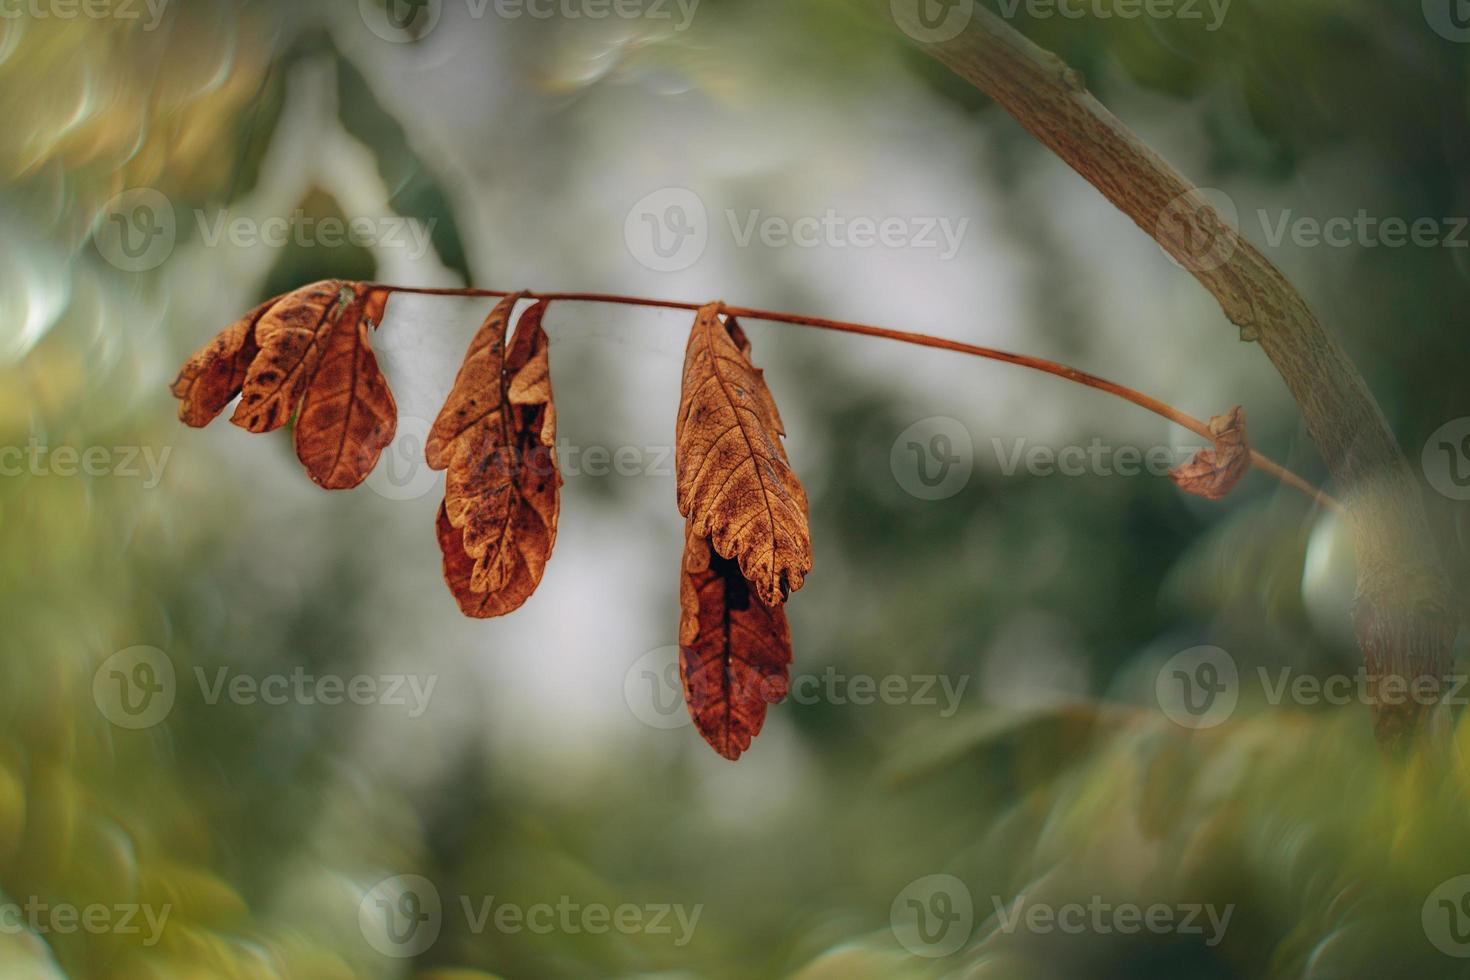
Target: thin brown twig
[{"x": 1162, "y": 409}]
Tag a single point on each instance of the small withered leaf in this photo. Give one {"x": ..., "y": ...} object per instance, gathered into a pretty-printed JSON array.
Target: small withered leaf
[
  {"x": 290, "y": 336},
  {"x": 213, "y": 377},
  {"x": 734, "y": 651},
  {"x": 735, "y": 483},
  {"x": 306, "y": 349},
  {"x": 477, "y": 386},
  {"x": 496, "y": 436},
  {"x": 347, "y": 415},
  {"x": 1213, "y": 473}
]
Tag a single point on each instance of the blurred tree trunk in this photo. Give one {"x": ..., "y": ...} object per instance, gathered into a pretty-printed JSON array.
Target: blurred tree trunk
[{"x": 1403, "y": 613}]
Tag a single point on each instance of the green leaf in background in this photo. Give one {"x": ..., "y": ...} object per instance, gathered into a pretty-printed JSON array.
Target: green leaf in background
[
  {"x": 298, "y": 264},
  {"x": 413, "y": 190}
]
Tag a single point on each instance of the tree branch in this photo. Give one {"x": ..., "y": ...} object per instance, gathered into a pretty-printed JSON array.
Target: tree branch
[
  {"x": 1259, "y": 460},
  {"x": 1402, "y": 613}
]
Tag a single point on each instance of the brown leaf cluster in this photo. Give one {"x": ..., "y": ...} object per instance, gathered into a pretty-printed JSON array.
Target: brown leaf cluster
[
  {"x": 305, "y": 354},
  {"x": 1213, "y": 473},
  {"x": 747, "y": 542}
]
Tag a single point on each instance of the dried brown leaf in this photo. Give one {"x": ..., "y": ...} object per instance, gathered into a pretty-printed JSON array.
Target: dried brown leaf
[
  {"x": 735, "y": 484},
  {"x": 213, "y": 377},
  {"x": 734, "y": 651},
  {"x": 1213, "y": 473},
  {"x": 477, "y": 387},
  {"x": 496, "y": 436},
  {"x": 290, "y": 336},
  {"x": 347, "y": 415}
]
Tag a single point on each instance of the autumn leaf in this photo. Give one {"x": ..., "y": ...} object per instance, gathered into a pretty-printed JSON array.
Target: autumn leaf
[
  {"x": 477, "y": 386},
  {"x": 212, "y": 378},
  {"x": 735, "y": 484},
  {"x": 290, "y": 337},
  {"x": 1213, "y": 473},
  {"x": 496, "y": 436},
  {"x": 347, "y": 415},
  {"x": 734, "y": 651},
  {"x": 306, "y": 349}
]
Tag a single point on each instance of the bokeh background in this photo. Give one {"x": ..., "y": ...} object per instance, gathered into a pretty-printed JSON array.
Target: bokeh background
[{"x": 548, "y": 765}]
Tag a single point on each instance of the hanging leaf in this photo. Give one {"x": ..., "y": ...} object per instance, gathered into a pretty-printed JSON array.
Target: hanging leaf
[
  {"x": 735, "y": 484},
  {"x": 477, "y": 385},
  {"x": 213, "y": 377},
  {"x": 496, "y": 436},
  {"x": 1213, "y": 473},
  {"x": 348, "y": 415},
  {"x": 308, "y": 348},
  {"x": 290, "y": 337},
  {"x": 734, "y": 652}
]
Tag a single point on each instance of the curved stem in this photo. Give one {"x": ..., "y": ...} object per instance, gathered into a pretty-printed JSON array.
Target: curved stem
[{"x": 1162, "y": 409}]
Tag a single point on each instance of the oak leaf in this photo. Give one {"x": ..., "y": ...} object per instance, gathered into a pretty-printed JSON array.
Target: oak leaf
[
  {"x": 735, "y": 484},
  {"x": 307, "y": 349},
  {"x": 734, "y": 651},
  {"x": 496, "y": 437},
  {"x": 1213, "y": 473}
]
